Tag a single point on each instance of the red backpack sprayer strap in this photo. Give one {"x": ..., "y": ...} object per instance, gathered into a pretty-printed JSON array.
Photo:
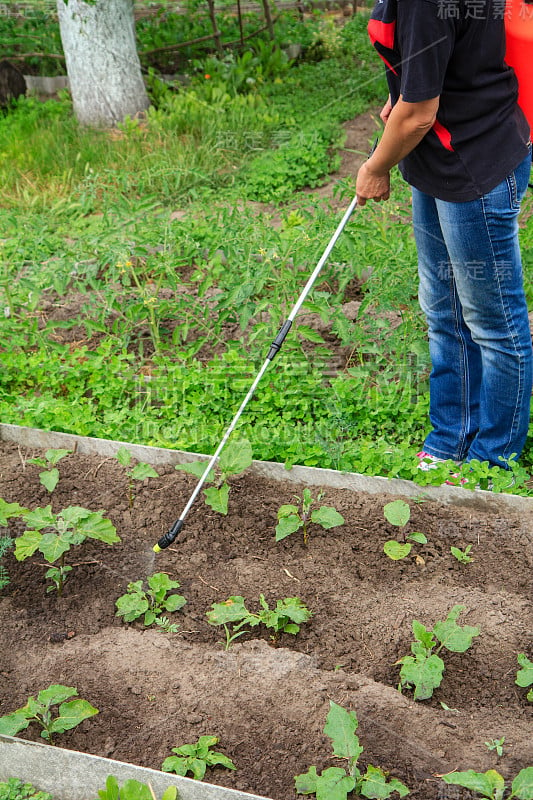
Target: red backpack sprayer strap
[{"x": 519, "y": 53}]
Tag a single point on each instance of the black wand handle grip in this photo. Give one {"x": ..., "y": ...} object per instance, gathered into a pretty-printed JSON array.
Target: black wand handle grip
[
  {"x": 168, "y": 538},
  {"x": 280, "y": 338}
]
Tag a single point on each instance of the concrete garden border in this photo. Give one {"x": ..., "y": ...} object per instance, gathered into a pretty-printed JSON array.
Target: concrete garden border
[
  {"x": 70, "y": 775},
  {"x": 312, "y": 476}
]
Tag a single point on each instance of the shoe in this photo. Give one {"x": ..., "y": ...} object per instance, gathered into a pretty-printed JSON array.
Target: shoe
[{"x": 426, "y": 461}]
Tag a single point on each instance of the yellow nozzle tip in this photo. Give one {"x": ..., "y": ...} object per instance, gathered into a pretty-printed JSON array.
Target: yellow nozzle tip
[{"x": 156, "y": 548}]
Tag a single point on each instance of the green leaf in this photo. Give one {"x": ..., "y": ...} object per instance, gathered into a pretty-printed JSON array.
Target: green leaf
[
  {"x": 423, "y": 636},
  {"x": 484, "y": 783},
  {"x": 175, "y": 764},
  {"x": 160, "y": 583},
  {"x": 71, "y": 714},
  {"x": 334, "y": 784},
  {"x": 27, "y": 544},
  {"x": 232, "y": 610},
  {"x": 397, "y": 513},
  {"x": 171, "y": 793},
  {"x": 418, "y": 537},
  {"x": 56, "y": 693},
  {"x": 236, "y": 457},
  {"x": 522, "y": 786},
  {"x": 423, "y": 672},
  {"x": 197, "y": 766},
  {"x": 524, "y": 676},
  {"x": 374, "y": 785},
  {"x": 111, "y": 789},
  {"x": 287, "y": 525},
  {"x": 135, "y": 790},
  {"x": 13, "y": 723},
  {"x": 327, "y": 516},
  {"x": 220, "y": 760},
  {"x": 306, "y": 783},
  {"x": 40, "y": 518},
  {"x": 217, "y": 499},
  {"x": 310, "y": 334},
  {"x": 287, "y": 510},
  {"x": 95, "y": 526},
  {"x": 396, "y": 550},
  {"x": 49, "y": 478},
  {"x": 142, "y": 471},
  {"x": 9, "y": 510},
  {"x": 294, "y": 609},
  {"x": 174, "y": 602},
  {"x": 196, "y": 468},
  {"x": 53, "y": 546},
  {"x": 453, "y": 637},
  {"x": 53, "y": 456},
  {"x": 123, "y": 456},
  {"x": 132, "y": 605},
  {"x": 341, "y": 726}
]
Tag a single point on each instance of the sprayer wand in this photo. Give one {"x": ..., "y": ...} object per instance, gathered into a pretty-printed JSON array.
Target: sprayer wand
[{"x": 275, "y": 347}]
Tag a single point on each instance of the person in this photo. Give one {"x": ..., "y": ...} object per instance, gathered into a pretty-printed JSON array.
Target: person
[{"x": 453, "y": 125}]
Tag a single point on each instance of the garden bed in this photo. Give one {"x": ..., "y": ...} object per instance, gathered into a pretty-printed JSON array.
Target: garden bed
[{"x": 268, "y": 704}]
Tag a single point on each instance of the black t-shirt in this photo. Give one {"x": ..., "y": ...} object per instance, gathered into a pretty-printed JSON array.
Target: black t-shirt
[{"x": 455, "y": 50}]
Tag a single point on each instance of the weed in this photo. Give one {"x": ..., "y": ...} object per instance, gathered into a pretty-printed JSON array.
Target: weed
[
  {"x": 137, "y": 473},
  {"x": 133, "y": 790},
  {"x": 398, "y": 513},
  {"x": 69, "y": 528},
  {"x": 234, "y": 459},
  {"x": 293, "y": 517},
  {"x": 6, "y": 543},
  {"x": 52, "y": 721},
  {"x": 286, "y": 617},
  {"x": 497, "y": 745},
  {"x": 195, "y": 758},
  {"x": 151, "y": 602},
  {"x": 463, "y": 556},
  {"x": 491, "y": 784},
  {"x": 336, "y": 783},
  {"x": 424, "y": 669},
  {"x": 15, "y": 789},
  {"x": 49, "y": 478},
  {"x": 524, "y": 676}
]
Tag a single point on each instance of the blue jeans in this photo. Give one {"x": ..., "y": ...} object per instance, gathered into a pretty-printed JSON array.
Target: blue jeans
[{"x": 471, "y": 291}]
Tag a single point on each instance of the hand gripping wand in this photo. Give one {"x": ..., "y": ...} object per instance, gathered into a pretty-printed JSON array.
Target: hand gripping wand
[{"x": 169, "y": 537}]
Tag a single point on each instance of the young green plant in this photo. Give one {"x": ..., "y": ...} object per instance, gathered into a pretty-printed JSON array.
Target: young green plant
[
  {"x": 497, "y": 745},
  {"x": 491, "y": 784},
  {"x": 463, "y": 556},
  {"x": 293, "y": 517},
  {"x": 195, "y": 758},
  {"x": 151, "y": 602},
  {"x": 524, "y": 676},
  {"x": 398, "y": 514},
  {"x": 67, "y": 715},
  {"x": 133, "y": 790},
  {"x": 136, "y": 473},
  {"x": 425, "y": 668},
  {"x": 55, "y": 534},
  {"x": 15, "y": 789},
  {"x": 336, "y": 783},
  {"x": 286, "y": 617},
  {"x": 49, "y": 477},
  {"x": 7, "y": 511},
  {"x": 234, "y": 459}
]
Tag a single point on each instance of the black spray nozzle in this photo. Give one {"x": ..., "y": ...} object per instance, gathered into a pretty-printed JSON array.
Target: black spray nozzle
[{"x": 169, "y": 537}]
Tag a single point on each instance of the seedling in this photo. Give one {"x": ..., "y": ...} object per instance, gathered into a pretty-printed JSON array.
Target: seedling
[
  {"x": 5, "y": 544},
  {"x": 286, "y": 617},
  {"x": 70, "y": 527},
  {"x": 496, "y": 744},
  {"x": 15, "y": 789},
  {"x": 195, "y": 758},
  {"x": 491, "y": 784},
  {"x": 398, "y": 513},
  {"x": 524, "y": 676},
  {"x": 133, "y": 790},
  {"x": 68, "y": 714},
  {"x": 335, "y": 783},
  {"x": 293, "y": 517},
  {"x": 151, "y": 602},
  {"x": 463, "y": 556},
  {"x": 424, "y": 669},
  {"x": 137, "y": 473},
  {"x": 49, "y": 478},
  {"x": 234, "y": 459},
  {"x": 7, "y": 511}
]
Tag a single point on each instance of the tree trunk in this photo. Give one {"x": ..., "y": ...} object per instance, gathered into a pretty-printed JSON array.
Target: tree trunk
[
  {"x": 216, "y": 32},
  {"x": 102, "y": 61},
  {"x": 268, "y": 19}
]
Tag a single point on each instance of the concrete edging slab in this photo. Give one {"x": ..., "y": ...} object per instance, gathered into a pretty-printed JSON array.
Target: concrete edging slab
[
  {"x": 312, "y": 476},
  {"x": 70, "y": 775}
]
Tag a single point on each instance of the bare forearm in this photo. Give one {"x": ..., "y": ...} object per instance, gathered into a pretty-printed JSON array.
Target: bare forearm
[{"x": 406, "y": 126}]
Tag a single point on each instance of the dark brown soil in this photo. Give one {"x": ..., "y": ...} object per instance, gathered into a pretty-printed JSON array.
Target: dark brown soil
[{"x": 268, "y": 704}]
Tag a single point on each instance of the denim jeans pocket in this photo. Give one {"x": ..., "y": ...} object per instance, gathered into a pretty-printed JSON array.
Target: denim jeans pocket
[{"x": 513, "y": 192}]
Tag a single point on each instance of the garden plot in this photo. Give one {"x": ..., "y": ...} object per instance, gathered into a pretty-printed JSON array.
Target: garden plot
[{"x": 266, "y": 700}]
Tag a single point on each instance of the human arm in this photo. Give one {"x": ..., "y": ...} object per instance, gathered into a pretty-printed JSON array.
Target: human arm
[{"x": 406, "y": 124}]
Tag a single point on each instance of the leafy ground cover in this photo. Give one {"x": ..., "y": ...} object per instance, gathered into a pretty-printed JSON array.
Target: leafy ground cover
[{"x": 267, "y": 701}]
